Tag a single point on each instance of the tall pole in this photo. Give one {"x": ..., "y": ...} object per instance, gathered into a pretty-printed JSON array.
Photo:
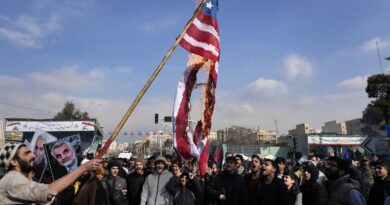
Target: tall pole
[
  {"x": 379, "y": 56},
  {"x": 149, "y": 82}
]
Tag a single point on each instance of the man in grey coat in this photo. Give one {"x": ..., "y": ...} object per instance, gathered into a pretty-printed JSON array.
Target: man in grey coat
[{"x": 154, "y": 190}]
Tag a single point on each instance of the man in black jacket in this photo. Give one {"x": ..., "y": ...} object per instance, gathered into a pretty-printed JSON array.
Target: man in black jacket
[
  {"x": 272, "y": 190},
  {"x": 381, "y": 188},
  {"x": 135, "y": 182},
  {"x": 228, "y": 188}
]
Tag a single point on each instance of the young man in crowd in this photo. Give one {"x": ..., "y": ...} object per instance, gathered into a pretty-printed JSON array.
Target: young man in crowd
[
  {"x": 184, "y": 189},
  {"x": 381, "y": 188},
  {"x": 241, "y": 168},
  {"x": 116, "y": 184},
  {"x": 282, "y": 168},
  {"x": 228, "y": 187},
  {"x": 253, "y": 179},
  {"x": 271, "y": 190},
  {"x": 154, "y": 191},
  {"x": 177, "y": 169},
  {"x": 340, "y": 187},
  {"x": 135, "y": 181},
  {"x": 16, "y": 188}
]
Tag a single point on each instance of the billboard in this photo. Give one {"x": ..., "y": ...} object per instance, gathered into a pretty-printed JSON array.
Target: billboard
[{"x": 23, "y": 130}]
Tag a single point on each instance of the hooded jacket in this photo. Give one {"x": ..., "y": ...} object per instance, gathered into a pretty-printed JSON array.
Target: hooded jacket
[
  {"x": 310, "y": 188},
  {"x": 154, "y": 191}
]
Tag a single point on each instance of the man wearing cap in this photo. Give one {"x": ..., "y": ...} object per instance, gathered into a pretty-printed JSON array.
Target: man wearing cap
[
  {"x": 228, "y": 187},
  {"x": 116, "y": 184},
  {"x": 154, "y": 191},
  {"x": 15, "y": 188}
]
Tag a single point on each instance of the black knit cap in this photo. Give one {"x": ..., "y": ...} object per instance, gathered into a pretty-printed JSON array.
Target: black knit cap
[{"x": 113, "y": 163}]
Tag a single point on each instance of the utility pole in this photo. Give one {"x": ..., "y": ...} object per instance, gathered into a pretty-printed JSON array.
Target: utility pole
[{"x": 379, "y": 56}]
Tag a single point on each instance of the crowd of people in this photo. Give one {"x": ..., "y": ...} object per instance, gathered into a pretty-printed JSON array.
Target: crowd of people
[{"x": 162, "y": 180}]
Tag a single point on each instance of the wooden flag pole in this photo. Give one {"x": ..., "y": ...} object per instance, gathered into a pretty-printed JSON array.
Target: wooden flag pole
[{"x": 148, "y": 83}]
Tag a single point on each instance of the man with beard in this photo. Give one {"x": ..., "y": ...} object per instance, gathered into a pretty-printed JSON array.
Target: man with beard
[
  {"x": 228, "y": 188},
  {"x": 154, "y": 191},
  {"x": 39, "y": 152},
  {"x": 135, "y": 181},
  {"x": 340, "y": 187},
  {"x": 16, "y": 188},
  {"x": 65, "y": 155},
  {"x": 253, "y": 179},
  {"x": 271, "y": 190}
]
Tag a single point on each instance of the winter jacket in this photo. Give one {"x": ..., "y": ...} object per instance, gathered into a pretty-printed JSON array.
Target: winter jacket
[
  {"x": 115, "y": 186},
  {"x": 154, "y": 191},
  {"x": 208, "y": 179},
  {"x": 338, "y": 192},
  {"x": 252, "y": 187},
  {"x": 134, "y": 183},
  {"x": 232, "y": 186},
  {"x": 275, "y": 193},
  {"x": 184, "y": 195},
  {"x": 379, "y": 191},
  {"x": 91, "y": 193}
]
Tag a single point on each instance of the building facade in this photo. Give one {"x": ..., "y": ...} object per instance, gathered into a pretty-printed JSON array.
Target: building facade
[
  {"x": 335, "y": 127},
  {"x": 267, "y": 136},
  {"x": 303, "y": 129},
  {"x": 354, "y": 127}
]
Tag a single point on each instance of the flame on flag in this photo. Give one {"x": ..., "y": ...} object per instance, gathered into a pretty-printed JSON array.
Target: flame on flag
[{"x": 202, "y": 41}]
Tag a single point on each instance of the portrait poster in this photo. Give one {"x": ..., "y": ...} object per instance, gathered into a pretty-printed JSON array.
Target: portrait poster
[
  {"x": 64, "y": 155},
  {"x": 36, "y": 145}
]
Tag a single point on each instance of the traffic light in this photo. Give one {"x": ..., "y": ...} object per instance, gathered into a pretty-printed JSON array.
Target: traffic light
[
  {"x": 167, "y": 119},
  {"x": 156, "y": 118}
]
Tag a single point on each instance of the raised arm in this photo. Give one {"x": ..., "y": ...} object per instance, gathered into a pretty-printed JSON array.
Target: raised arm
[{"x": 67, "y": 180}]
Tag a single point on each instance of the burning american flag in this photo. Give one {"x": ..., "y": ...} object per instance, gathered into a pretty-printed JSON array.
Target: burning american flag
[{"x": 202, "y": 41}]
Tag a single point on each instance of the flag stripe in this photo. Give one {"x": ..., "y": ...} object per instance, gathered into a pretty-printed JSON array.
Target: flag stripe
[
  {"x": 205, "y": 19},
  {"x": 182, "y": 143},
  {"x": 203, "y": 27},
  {"x": 201, "y": 36},
  {"x": 202, "y": 49}
]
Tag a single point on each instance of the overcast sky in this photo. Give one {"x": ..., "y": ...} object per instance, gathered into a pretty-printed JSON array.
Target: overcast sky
[{"x": 294, "y": 62}]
